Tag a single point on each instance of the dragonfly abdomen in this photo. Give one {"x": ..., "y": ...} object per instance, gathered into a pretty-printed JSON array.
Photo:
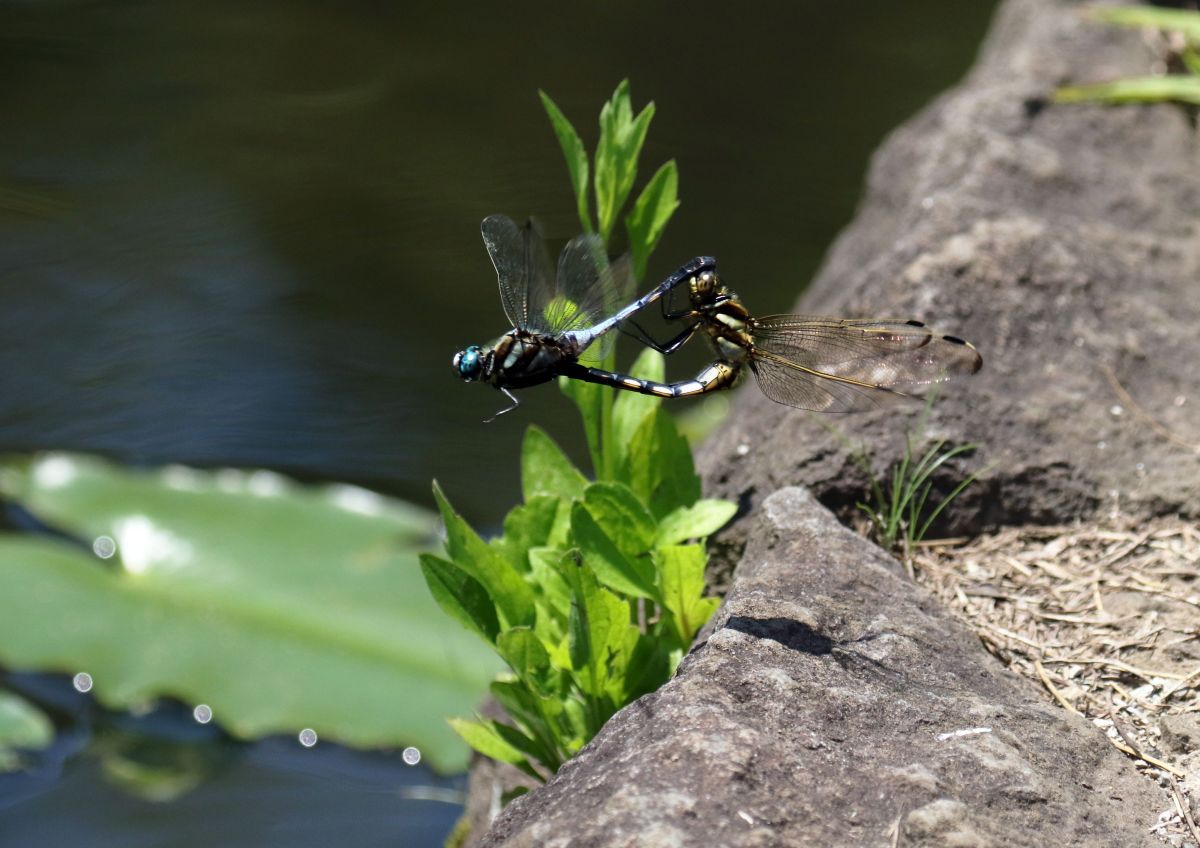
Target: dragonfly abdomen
[{"x": 719, "y": 375}]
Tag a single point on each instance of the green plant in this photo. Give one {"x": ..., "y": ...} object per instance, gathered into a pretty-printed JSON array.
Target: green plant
[
  {"x": 899, "y": 511},
  {"x": 594, "y": 590},
  {"x": 1181, "y": 87}
]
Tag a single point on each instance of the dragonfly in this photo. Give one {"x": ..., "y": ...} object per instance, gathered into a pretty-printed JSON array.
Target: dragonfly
[
  {"x": 558, "y": 316},
  {"x": 805, "y": 361}
]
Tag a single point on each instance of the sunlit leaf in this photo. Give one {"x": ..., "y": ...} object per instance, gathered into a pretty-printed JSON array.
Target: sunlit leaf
[
  {"x": 625, "y": 518},
  {"x": 651, "y": 212},
  {"x": 508, "y": 591},
  {"x": 630, "y": 409},
  {"x": 22, "y": 727},
  {"x": 632, "y": 576},
  {"x": 621, "y": 139},
  {"x": 575, "y": 154},
  {"x": 546, "y": 470},
  {"x": 280, "y": 606},
  {"x": 1175, "y": 87},
  {"x": 460, "y": 596},
  {"x": 1184, "y": 21},
  {"x": 701, "y": 519}
]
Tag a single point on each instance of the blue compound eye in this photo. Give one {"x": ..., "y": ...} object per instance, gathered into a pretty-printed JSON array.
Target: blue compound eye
[{"x": 469, "y": 362}]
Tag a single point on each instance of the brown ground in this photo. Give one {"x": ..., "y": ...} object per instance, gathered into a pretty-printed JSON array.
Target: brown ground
[{"x": 1106, "y": 617}]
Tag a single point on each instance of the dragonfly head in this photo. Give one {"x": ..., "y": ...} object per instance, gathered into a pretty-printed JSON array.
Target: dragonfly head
[
  {"x": 705, "y": 286},
  {"x": 468, "y": 363}
]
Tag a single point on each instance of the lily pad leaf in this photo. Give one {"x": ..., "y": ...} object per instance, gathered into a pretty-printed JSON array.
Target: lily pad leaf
[{"x": 280, "y": 606}]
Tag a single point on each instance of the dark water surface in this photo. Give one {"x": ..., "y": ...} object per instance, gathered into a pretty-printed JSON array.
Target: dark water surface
[{"x": 247, "y": 233}]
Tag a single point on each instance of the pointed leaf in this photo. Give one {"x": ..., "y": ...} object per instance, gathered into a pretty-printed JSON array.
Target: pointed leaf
[
  {"x": 589, "y": 399},
  {"x": 527, "y": 657},
  {"x": 625, "y": 519},
  {"x": 527, "y": 526},
  {"x": 630, "y": 409},
  {"x": 648, "y": 219},
  {"x": 508, "y": 591},
  {"x": 701, "y": 519},
  {"x": 611, "y": 567},
  {"x": 575, "y": 154},
  {"x": 621, "y": 139},
  {"x": 545, "y": 469},
  {"x": 681, "y": 572},
  {"x": 659, "y": 468},
  {"x": 460, "y": 596},
  {"x": 485, "y": 737}
]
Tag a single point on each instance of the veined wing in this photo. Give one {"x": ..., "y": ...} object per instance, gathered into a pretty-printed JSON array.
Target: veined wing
[
  {"x": 590, "y": 288},
  {"x": 523, "y": 270},
  {"x": 846, "y": 365}
]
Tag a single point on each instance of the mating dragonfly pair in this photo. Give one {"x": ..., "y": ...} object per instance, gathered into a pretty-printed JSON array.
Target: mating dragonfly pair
[{"x": 809, "y": 362}]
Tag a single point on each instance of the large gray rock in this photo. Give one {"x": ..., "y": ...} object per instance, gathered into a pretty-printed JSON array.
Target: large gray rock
[
  {"x": 1062, "y": 241},
  {"x": 832, "y": 701}
]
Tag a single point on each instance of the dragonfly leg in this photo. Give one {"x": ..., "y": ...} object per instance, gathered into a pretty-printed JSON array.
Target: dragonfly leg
[
  {"x": 665, "y": 348},
  {"x": 515, "y": 404}
]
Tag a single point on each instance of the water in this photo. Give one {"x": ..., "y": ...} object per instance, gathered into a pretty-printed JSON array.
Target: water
[{"x": 247, "y": 234}]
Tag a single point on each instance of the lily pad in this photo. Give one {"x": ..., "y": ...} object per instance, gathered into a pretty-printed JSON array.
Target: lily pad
[
  {"x": 280, "y": 606},
  {"x": 22, "y": 727}
]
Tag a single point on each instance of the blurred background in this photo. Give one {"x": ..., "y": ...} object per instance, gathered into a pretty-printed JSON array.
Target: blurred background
[{"x": 247, "y": 233}]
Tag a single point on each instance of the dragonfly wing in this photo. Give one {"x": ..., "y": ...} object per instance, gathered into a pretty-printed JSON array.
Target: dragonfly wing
[
  {"x": 590, "y": 288},
  {"x": 523, "y": 270},
  {"x": 890, "y": 354},
  {"x": 791, "y": 384}
]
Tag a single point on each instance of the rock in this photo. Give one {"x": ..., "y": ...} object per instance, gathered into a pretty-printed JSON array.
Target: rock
[
  {"x": 1181, "y": 733},
  {"x": 1064, "y": 242},
  {"x": 833, "y": 702}
]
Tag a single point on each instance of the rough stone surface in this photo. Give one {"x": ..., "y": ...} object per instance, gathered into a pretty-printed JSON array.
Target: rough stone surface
[
  {"x": 1062, "y": 241},
  {"x": 832, "y": 702}
]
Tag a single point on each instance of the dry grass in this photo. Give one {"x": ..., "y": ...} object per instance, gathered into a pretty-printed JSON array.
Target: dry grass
[{"x": 1107, "y": 620}]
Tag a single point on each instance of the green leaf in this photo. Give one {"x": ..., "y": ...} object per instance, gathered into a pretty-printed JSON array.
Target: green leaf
[
  {"x": 1183, "y": 21},
  {"x": 701, "y": 519},
  {"x": 1191, "y": 59},
  {"x": 536, "y": 716},
  {"x": 630, "y": 409},
  {"x": 545, "y": 469},
  {"x": 280, "y": 606},
  {"x": 624, "y": 518},
  {"x": 681, "y": 572},
  {"x": 509, "y": 592},
  {"x": 1184, "y": 89},
  {"x": 589, "y": 399},
  {"x": 555, "y": 592},
  {"x": 527, "y": 526},
  {"x": 461, "y": 597},
  {"x": 575, "y": 154},
  {"x": 599, "y": 631},
  {"x": 527, "y": 657},
  {"x": 486, "y": 738},
  {"x": 602, "y": 556},
  {"x": 658, "y": 466},
  {"x": 621, "y": 139},
  {"x": 22, "y": 727},
  {"x": 651, "y": 212}
]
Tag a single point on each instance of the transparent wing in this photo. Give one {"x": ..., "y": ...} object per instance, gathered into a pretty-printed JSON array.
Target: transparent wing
[
  {"x": 845, "y": 365},
  {"x": 589, "y": 288},
  {"x": 895, "y": 354},
  {"x": 523, "y": 270},
  {"x": 791, "y": 384}
]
